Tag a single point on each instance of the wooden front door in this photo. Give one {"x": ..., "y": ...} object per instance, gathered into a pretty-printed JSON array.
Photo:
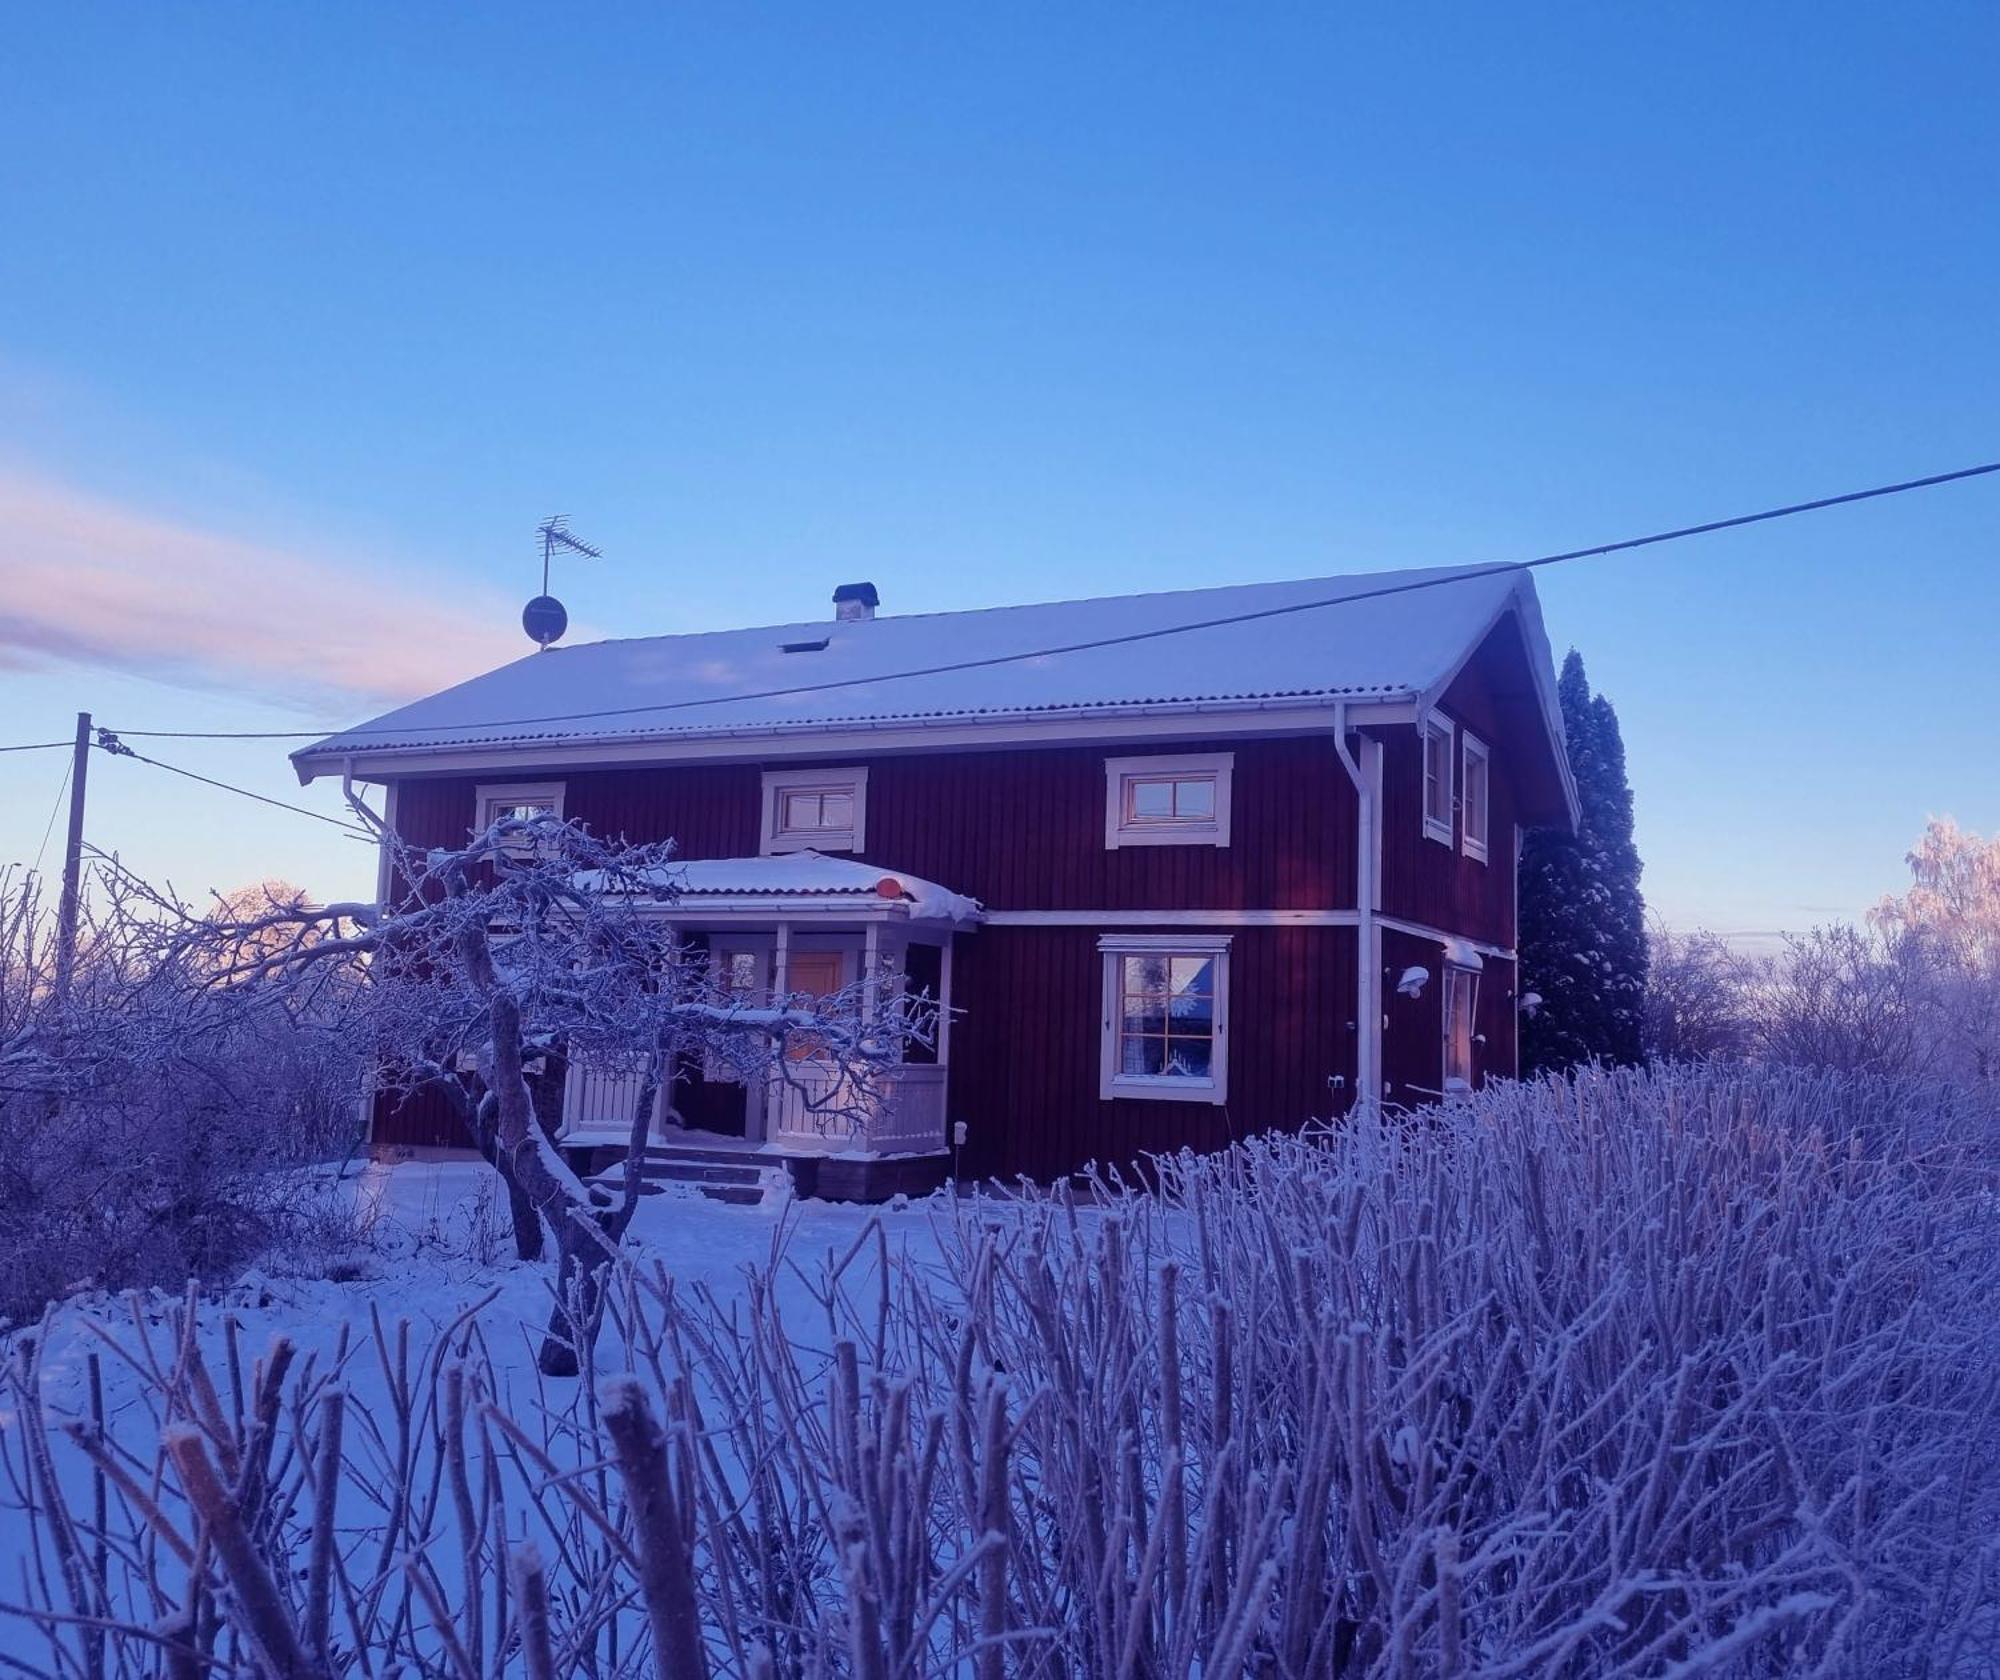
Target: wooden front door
[{"x": 814, "y": 974}]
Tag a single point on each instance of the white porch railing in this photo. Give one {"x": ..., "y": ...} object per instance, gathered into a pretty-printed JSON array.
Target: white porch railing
[
  {"x": 807, "y": 1111},
  {"x": 903, "y": 1114},
  {"x": 599, "y": 1096}
]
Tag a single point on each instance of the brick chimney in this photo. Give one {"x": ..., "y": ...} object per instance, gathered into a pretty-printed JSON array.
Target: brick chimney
[{"x": 853, "y": 602}]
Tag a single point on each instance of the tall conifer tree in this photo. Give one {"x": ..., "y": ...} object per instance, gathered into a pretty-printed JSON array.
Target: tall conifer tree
[{"x": 1583, "y": 921}]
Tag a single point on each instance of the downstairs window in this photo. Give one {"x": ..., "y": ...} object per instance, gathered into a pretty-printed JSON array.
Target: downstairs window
[
  {"x": 1166, "y": 1017},
  {"x": 1461, "y": 1010}
]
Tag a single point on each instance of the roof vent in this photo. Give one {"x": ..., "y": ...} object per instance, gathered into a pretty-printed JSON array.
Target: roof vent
[
  {"x": 816, "y": 645},
  {"x": 853, "y": 602}
]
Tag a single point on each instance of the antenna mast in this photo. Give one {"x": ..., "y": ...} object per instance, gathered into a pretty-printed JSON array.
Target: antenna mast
[{"x": 545, "y": 618}]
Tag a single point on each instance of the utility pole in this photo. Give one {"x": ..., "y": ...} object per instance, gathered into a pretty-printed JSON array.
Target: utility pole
[{"x": 72, "y": 883}]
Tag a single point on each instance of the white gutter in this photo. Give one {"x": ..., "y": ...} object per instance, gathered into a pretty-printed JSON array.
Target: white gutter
[
  {"x": 916, "y": 732},
  {"x": 1367, "y": 961}
]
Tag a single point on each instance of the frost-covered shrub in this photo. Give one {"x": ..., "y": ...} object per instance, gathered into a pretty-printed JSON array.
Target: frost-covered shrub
[
  {"x": 128, "y": 1193},
  {"x": 1639, "y": 1375}
]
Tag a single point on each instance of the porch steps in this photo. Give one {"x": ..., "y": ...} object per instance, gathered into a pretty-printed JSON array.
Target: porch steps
[{"x": 737, "y": 1176}]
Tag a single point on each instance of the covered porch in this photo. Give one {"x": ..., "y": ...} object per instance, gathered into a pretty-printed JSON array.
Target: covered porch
[{"x": 791, "y": 930}]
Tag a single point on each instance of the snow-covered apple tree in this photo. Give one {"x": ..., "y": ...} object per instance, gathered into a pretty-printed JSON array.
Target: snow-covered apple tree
[{"x": 496, "y": 964}]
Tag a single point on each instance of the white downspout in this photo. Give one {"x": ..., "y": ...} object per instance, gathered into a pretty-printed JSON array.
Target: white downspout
[{"x": 1367, "y": 962}]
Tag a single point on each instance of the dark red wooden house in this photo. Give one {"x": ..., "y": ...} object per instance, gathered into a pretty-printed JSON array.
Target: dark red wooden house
[{"x": 1182, "y": 866}]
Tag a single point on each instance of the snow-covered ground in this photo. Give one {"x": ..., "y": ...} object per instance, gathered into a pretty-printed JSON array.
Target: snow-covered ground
[{"x": 436, "y": 1242}]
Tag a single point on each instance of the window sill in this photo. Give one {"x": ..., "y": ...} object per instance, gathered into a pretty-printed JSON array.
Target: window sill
[
  {"x": 1142, "y": 1088},
  {"x": 1203, "y": 835},
  {"x": 1478, "y": 852},
  {"x": 1438, "y": 831},
  {"x": 842, "y": 841}
]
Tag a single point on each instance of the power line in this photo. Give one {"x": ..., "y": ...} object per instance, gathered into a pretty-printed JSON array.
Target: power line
[
  {"x": 55, "y": 810},
  {"x": 1410, "y": 586},
  {"x": 119, "y": 750},
  {"x": 35, "y": 746}
]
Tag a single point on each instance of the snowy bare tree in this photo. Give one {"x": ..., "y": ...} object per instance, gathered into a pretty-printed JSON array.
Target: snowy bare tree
[
  {"x": 1697, "y": 996},
  {"x": 538, "y": 941},
  {"x": 152, "y": 1129},
  {"x": 1946, "y": 926}
]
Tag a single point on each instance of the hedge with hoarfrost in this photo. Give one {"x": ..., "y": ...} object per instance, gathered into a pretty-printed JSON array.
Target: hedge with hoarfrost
[{"x": 1649, "y": 1375}]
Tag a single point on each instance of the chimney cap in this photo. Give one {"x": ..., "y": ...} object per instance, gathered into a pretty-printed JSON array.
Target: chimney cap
[{"x": 865, "y": 593}]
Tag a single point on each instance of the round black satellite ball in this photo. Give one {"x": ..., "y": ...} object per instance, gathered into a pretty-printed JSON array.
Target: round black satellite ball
[{"x": 544, "y": 619}]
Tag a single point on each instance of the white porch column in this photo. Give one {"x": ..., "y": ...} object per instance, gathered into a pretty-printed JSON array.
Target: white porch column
[
  {"x": 871, "y": 977},
  {"x": 944, "y": 1004},
  {"x": 781, "y": 964}
]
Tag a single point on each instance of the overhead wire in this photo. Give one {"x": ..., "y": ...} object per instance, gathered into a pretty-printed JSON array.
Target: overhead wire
[
  {"x": 122, "y": 751},
  {"x": 358, "y": 736},
  {"x": 55, "y": 810}
]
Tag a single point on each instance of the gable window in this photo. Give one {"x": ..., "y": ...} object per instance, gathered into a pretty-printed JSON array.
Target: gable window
[
  {"x": 817, "y": 810},
  {"x": 518, "y": 802},
  {"x": 1178, "y": 801},
  {"x": 1437, "y": 779},
  {"x": 1477, "y": 774},
  {"x": 1166, "y": 1017},
  {"x": 1461, "y": 1008}
]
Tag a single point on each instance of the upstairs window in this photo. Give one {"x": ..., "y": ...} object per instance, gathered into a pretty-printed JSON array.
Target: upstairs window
[
  {"x": 1461, "y": 1009},
  {"x": 1166, "y": 1017},
  {"x": 816, "y": 810},
  {"x": 1476, "y": 819},
  {"x": 1178, "y": 801},
  {"x": 1437, "y": 779},
  {"x": 518, "y": 802}
]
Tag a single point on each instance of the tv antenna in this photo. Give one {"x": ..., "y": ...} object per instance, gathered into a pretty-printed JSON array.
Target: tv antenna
[{"x": 545, "y": 618}]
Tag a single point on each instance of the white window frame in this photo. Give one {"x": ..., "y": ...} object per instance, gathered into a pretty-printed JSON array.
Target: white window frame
[
  {"x": 488, "y": 795},
  {"x": 849, "y": 779},
  {"x": 1437, "y": 727},
  {"x": 1112, "y": 1081},
  {"x": 1120, "y": 773},
  {"x": 1477, "y": 846},
  {"x": 1454, "y": 973}
]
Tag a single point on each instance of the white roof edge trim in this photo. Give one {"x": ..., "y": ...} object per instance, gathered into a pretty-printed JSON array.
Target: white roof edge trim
[{"x": 1024, "y": 728}]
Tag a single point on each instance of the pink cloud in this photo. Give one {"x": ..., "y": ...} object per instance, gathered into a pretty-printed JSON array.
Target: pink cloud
[{"x": 85, "y": 580}]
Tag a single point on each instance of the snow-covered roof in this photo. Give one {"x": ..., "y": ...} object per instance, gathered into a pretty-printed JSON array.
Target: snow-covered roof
[
  {"x": 815, "y": 875},
  {"x": 1307, "y": 640}
]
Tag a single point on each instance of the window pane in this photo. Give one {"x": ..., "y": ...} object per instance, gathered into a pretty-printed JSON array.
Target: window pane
[
  {"x": 1195, "y": 799},
  {"x": 1475, "y": 797},
  {"x": 1437, "y": 746},
  {"x": 1189, "y": 1058},
  {"x": 1152, "y": 800},
  {"x": 1147, "y": 973},
  {"x": 816, "y": 810},
  {"x": 1458, "y": 1000},
  {"x": 522, "y": 810},
  {"x": 1193, "y": 1006},
  {"x": 1142, "y": 1055},
  {"x": 1145, "y": 1014}
]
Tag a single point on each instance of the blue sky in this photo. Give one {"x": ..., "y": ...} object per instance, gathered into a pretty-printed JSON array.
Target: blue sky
[{"x": 307, "y": 315}]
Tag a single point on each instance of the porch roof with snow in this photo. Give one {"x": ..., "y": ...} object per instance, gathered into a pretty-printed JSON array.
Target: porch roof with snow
[
  {"x": 811, "y": 880},
  {"x": 1366, "y": 638}
]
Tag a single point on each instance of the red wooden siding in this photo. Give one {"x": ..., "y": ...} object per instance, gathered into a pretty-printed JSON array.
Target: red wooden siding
[
  {"x": 423, "y": 1120},
  {"x": 1025, "y": 1079},
  {"x": 1413, "y": 1028},
  {"x": 1424, "y": 880},
  {"x": 1019, "y": 830}
]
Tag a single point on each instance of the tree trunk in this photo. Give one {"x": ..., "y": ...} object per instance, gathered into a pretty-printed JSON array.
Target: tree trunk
[
  {"x": 586, "y": 1240},
  {"x": 479, "y": 1115}
]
